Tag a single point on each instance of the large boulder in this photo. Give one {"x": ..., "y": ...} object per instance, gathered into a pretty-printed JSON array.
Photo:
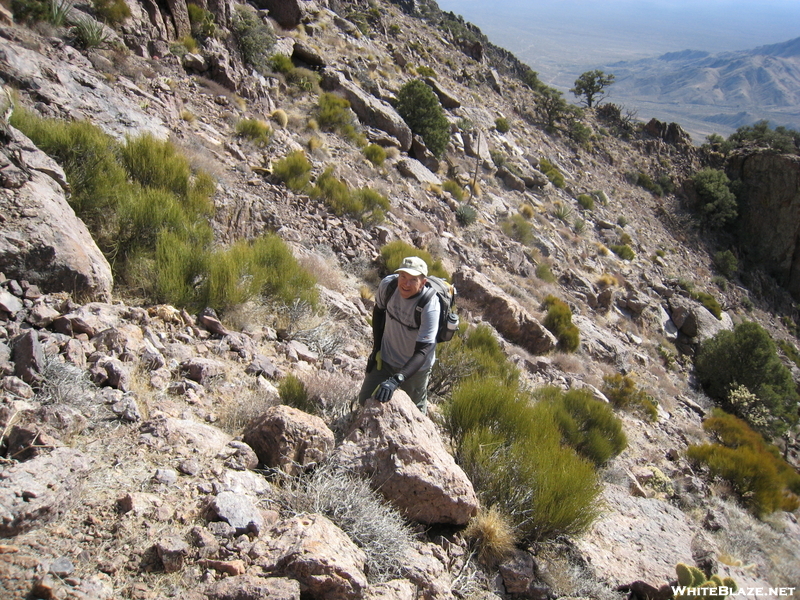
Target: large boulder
[
  {"x": 313, "y": 551},
  {"x": 42, "y": 240},
  {"x": 505, "y": 314},
  {"x": 371, "y": 111},
  {"x": 39, "y": 489},
  {"x": 400, "y": 451},
  {"x": 289, "y": 439}
]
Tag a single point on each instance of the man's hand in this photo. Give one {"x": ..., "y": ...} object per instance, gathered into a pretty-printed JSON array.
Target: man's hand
[{"x": 387, "y": 388}]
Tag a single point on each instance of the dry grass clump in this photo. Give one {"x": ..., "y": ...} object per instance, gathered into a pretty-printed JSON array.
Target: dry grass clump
[
  {"x": 347, "y": 500},
  {"x": 491, "y": 535},
  {"x": 241, "y": 408}
]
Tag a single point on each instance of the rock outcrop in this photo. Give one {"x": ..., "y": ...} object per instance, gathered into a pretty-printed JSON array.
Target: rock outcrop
[{"x": 400, "y": 451}]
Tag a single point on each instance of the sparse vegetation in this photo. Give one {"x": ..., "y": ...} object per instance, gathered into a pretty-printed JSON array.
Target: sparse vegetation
[
  {"x": 716, "y": 202},
  {"x": 375, "y": 154},
  {"x": 586, "y": 201},
  {"x": 624, "y": 251},
  {"x": 255, "y": 130},
  {"x": 294, "y": 170},
  {"x": 623, "y": 393},
  {"x": 334, "y": 114},
  {"x": 113, "y": 12},
  {"x": 760, "y": 477},
  {"x": 552, "y": 173},
  {"x": 559, "y": 322},
  {"x": 502, "y": 125}
]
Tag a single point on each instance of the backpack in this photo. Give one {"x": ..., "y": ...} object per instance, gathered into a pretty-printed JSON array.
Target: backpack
[{"x": 446, "y": 295}]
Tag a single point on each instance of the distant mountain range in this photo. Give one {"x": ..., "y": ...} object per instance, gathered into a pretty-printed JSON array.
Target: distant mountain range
[{"x": 713, "y": 93}]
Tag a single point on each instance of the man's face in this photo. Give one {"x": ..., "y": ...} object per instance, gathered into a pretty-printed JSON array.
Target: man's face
[{"x": 410, "y": 285}]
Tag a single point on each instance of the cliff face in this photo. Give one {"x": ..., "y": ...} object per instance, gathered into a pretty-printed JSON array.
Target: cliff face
[{"x": 769, "y": 221}]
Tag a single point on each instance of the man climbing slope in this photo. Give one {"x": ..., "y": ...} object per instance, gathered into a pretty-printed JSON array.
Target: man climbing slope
[{"x": 402, "y": 352}]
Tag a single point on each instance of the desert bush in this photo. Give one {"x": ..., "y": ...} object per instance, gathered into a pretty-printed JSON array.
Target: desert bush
[
  {"x": 711, "y": 303},
  {"x": 201, "y": 21},
  {"x": 333, "y": 113},
  {"x": 255, "y": 130},
  {"x": 393, "y": 253},
  {"x": 781, "y": 139},
  {"x": 88, "y": 34},
  {"x": 586, "y": 201},
  {"x": 280, "y": 63},
  {"x": 425, "y": 71},
  {"x": 518, "y": 228},
  {"x": 420, "y": 109},
  {"x": 502, "y": 125},
  {"x": 747, "y": 356},
  {"x": 304, "y": 80},
  {"x": 346, "y": 499},
  {"x": 624, "y": 251},
  {"x": 280, "y": 117},
  {"x": 466, "y": 214},
  {"x": 552, "y": 173},
  {"x": 452, "y": 187},
  {"x": 364, "y": 203},
  {"x": 294, "y": 170},
  {"x": 727, "y": 263},
  {"x": 544, "y": 272},
  {"x": 292, "y": 392},
  {"x": 716, "y": 202},
  {"x": 253, "y": 37},
  {"x": 28, "y": 12},
  {"x": 762, "y": 479},
  {"x": 527, "y": 211},
  {"x": 559, "y": 322},
  {"x": 112, "y": 12},
  {"x": 586, "y": 424},
  {"x": 514, "y": 458},
  {"x": 374, "y": 154},
  {"x": 623, "y": 393}
]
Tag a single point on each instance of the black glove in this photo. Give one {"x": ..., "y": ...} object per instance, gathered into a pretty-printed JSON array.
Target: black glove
[
  {"x": 387, "y": 388},
  {"x": 372, "y": 361}
]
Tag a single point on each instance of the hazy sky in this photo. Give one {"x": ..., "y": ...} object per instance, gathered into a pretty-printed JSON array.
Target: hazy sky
[{"x": 558, "y": 38}]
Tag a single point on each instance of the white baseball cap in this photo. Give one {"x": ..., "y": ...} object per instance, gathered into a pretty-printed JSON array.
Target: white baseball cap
[{"x": 413, "y": 265}]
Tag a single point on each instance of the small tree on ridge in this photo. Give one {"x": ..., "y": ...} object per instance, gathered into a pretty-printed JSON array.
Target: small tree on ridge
[{"x": 592, "y": 85}]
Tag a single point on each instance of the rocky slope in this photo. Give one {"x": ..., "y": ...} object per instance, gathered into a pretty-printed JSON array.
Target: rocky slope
[{"x": 126, "y": 473}]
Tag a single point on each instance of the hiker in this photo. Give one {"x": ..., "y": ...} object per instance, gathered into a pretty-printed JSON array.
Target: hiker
[{"x": 402, "y": 352}]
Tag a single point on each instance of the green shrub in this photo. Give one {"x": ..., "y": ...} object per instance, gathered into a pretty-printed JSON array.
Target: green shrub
[
  {"x": 466, "y": 215},
  {"x": 501, "y": 124},
  {"x": 790, "y": 351},
  {"x": 623, "y": 251},
  {"x": 758, "y": 474},
  {"x": 334, "y": 114},
  {"x": 294, "y": 170},
  {"x": 586, "y": 424},
  {"x": 280, "y": 63},
  {"x": 727, "y": 263},
  {"x": 601, "y": 197},
  {"x": 544, "y": 273},
  {"x": 514, "y": 457},
  {"x": 622, "y": 392},
  {"x": 304, "y": 79},
  {"x": 454, "y": 189},
  {"x": 112, "y": 12},
  {"x": 586, "y": 201},
  {"x": 559, "y": 322},
  {"x": 255, "y": 130},
  {"x": 254, "y": 38},
  {"x": 88, "y": 34},
  {"x": 425, "y": 71},
  {"x": 375, "y": 154},
  {"x": 54, "y": 12},
  {"x": 393, "y": 253},
  {"x": 747, "y": 356},
  {"x": 476, "y": 352},
  {"x": 716, "y": 202},
  {"x": 692, "y": 577},
  {"x": 552, "y": 173},
  {"x": 518, "y": 228},
  {"x": 201, "y": 21},
  {"x": 781, "y": 139},
  {"x": 292, "y": 392},
  {"x": 365, "y": 203},
  {"x": 420, "y": 109},
  {"x": 709, "y": 302}
]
